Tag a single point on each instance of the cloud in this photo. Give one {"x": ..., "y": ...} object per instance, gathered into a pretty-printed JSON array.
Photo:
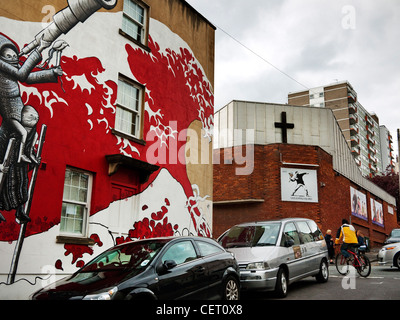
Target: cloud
[{"x": 315, "y": 42}]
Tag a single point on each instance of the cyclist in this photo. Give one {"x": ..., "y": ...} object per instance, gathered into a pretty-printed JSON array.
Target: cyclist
[{"x": 347, "y": 234}]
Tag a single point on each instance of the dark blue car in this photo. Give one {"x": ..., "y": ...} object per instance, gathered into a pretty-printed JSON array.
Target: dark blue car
[{"x": 159, "y": 268}]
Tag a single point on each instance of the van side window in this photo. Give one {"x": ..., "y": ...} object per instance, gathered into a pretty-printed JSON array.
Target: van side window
[
  {"x": 290, "y": 233},
  {"x": 316, "y": 233},
  {"x": 305, "y": 232}
]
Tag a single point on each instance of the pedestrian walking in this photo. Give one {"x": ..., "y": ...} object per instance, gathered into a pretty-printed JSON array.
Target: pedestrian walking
[{"x": 329, "y": 245}]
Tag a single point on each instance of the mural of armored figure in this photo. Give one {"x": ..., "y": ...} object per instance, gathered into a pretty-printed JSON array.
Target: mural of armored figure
[{"x": 13, "y": 194}]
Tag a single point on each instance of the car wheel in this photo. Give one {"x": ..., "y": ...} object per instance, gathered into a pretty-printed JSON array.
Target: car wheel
[
  {"x": 281, "y": 286},
  {"x": 231, "y": 289},
  {"x": 323, "y": 274},
  {"x": 396, "y": 260}
]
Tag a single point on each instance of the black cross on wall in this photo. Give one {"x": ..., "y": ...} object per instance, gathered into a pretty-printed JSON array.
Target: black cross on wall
[{"x": 284, "y": 126}]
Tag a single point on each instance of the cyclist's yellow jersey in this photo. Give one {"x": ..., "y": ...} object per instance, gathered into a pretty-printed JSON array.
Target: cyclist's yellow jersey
[{"x": 347, "y": 234}]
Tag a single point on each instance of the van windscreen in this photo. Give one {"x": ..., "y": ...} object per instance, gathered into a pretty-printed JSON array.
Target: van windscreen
[{"x": 251, "y": 235}]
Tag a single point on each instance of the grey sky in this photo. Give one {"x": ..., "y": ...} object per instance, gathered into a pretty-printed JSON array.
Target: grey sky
[{"x": 315, "y": 42}]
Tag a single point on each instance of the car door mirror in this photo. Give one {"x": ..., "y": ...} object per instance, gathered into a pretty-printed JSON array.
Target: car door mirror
[
  {"x": 169, "y": 264},
  {"x": 165, "y": 266},
  {"x": 289, "y": 243}
]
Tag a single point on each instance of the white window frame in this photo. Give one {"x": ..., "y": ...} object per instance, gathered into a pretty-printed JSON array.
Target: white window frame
[
  {"x": 141, "y": 35},
  {"x": 136, "y": 114},
  {"x": 77, "y": 202}
]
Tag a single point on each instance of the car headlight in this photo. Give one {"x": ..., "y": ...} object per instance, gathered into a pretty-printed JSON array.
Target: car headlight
[
  {"x": 390, "y": 248},
  {"x": 257, "y": 266},
  {"x": 107, "y": 295}
]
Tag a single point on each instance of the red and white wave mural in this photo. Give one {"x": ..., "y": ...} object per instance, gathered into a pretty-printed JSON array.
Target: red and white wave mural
[{"x": 79, "y": 112}]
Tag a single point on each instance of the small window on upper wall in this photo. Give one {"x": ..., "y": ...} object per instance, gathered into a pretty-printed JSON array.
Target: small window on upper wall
[
  {"x": 135, "y": 21},
  {"x": 129, "y": 107}
]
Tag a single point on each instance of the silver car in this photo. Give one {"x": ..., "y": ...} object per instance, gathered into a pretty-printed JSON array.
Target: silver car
[
  {"x": 390, "y": 255},
  {"x": 273, "y": 254},
  {"x": 394, "y": 236}
]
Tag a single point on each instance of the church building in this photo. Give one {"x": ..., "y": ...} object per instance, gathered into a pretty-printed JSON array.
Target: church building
[{"x": 277, "y": 160}]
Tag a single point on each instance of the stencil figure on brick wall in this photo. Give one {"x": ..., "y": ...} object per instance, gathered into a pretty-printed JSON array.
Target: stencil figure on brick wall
[
  {"x": 18, "y": 128},
  {"x": 298, "y": 178}
]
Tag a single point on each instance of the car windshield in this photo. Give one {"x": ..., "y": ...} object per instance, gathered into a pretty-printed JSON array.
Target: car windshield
[
  {"x": 251, "y": 236},
  {"x": 135, "y": 255},
  {"x": 395, "y": 233}
]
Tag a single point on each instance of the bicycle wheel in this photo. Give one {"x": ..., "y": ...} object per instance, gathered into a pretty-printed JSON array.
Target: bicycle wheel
[
  {"x": 364, "y": 269},
  {"x": 342, "y": 264}
]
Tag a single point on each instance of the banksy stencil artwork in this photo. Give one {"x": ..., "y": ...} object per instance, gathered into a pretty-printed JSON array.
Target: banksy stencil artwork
[{"x": 299, "y": 185}]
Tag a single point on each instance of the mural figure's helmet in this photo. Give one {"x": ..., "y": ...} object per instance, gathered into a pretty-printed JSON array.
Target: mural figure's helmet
[{"x": 8, "y": 51}]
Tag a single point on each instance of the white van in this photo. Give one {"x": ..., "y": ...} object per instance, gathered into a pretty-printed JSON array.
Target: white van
[{"x": 272, "y": 254}]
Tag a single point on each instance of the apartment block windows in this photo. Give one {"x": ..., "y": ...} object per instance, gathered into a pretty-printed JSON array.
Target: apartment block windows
[
  {"x": 76, "y": 202},
  {"x": 135, "y": 20},
  {"x": 129, "y": 107}
]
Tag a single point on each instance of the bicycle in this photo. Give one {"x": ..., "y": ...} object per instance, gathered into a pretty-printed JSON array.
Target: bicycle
[{"x": 357, "y": 259}]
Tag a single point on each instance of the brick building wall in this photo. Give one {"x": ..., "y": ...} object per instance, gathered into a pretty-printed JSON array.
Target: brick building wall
[{"x": 257, "y": 196}]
